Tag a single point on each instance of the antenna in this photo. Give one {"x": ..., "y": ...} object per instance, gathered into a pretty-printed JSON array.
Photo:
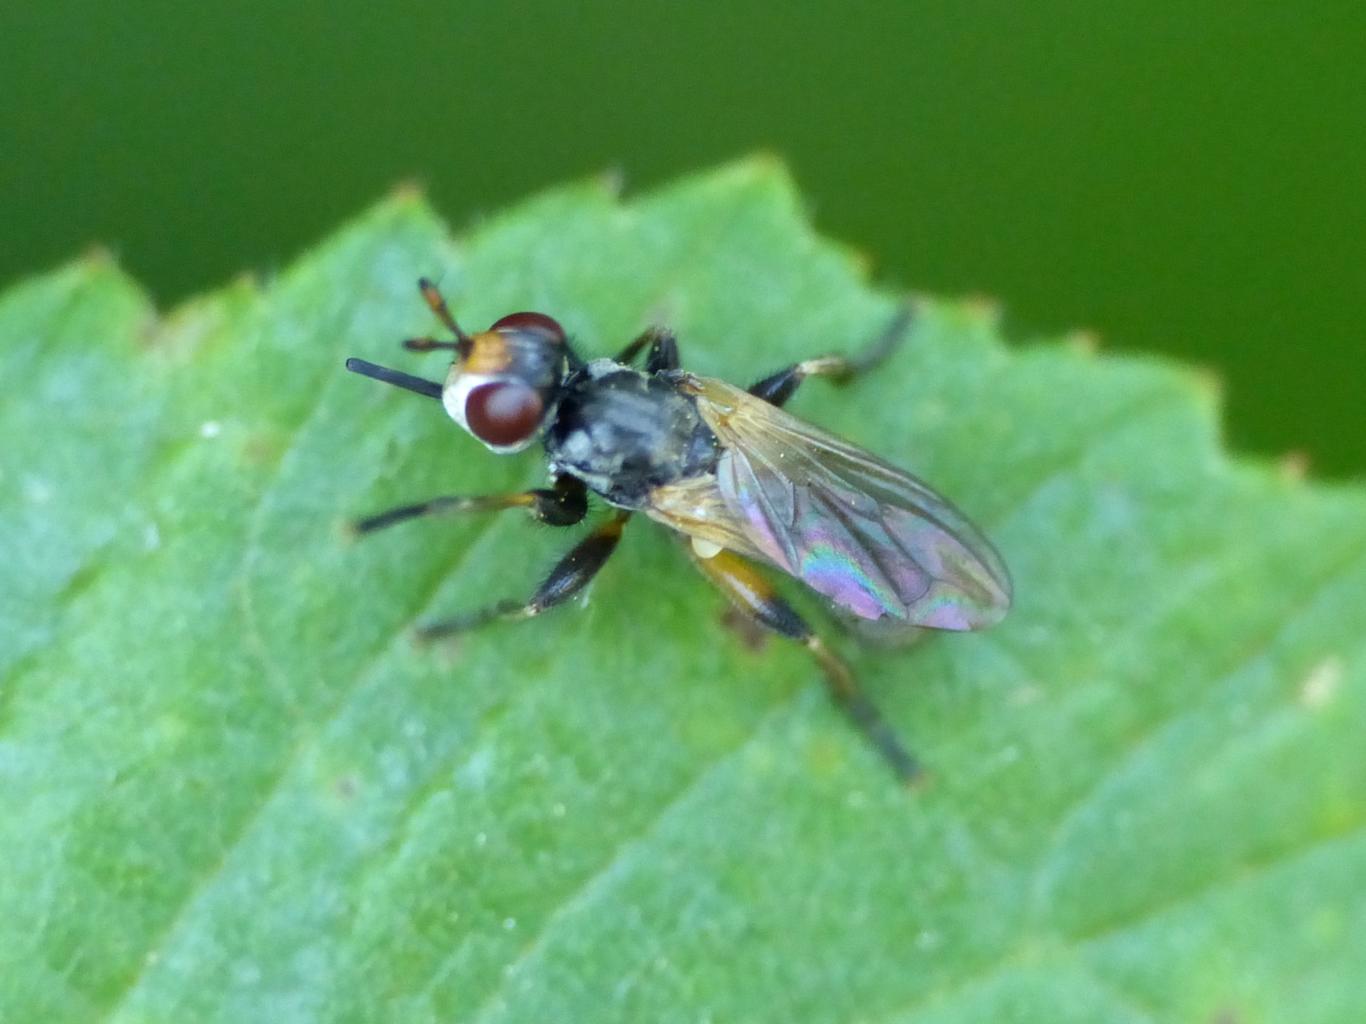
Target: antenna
[
  {"x": 437, "y": 303},
  {"x": 417, "y": 385}
]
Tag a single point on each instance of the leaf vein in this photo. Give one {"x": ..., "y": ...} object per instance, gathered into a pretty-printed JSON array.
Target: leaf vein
[
  {"x": 306, "y": 739},
  {"x": 618, "y": 855},
  {"x": 1143, "y": 740},
  {"x": 1245, "y": 872}
]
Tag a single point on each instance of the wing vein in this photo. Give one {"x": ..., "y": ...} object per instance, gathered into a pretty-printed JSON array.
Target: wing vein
[{"x": 874, "y": 540}]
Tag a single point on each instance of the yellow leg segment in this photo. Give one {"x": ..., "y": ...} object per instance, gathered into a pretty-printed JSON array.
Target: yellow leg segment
[{"x": 754, "y": 597}]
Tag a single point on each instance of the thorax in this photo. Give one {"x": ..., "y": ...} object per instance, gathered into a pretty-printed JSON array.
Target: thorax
[{"x": 623, "y": 433}]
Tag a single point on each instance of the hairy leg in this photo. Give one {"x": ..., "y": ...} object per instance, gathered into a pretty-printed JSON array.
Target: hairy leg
[
  {"x": 754, "y": 598},
  {"x": 779, "y": 387},
  {"x": 569, "y": 576},
  {"x": 564, "y": 504}
]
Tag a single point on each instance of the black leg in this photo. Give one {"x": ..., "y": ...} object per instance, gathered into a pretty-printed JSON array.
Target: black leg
[
  {"x": 779, "y": 387},
  {"x": 570, "y": 575},
  {"x": 663, "y": 354},
  {"x": 562, "y": 505},
  {"x": 752, "y": 595}
]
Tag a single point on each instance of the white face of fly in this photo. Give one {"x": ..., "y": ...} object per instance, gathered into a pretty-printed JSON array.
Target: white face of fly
[
  {"x": 502, "y": 384},
  {"x": 457, "y": 390},
  {"x": 500, "y": 410}
]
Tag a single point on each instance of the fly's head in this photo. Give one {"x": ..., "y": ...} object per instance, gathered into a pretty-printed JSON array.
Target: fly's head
[{"x": 503, "y": 381}]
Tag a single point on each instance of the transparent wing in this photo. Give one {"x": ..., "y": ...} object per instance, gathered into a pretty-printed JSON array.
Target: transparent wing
[{"x": 874, "y": 540}]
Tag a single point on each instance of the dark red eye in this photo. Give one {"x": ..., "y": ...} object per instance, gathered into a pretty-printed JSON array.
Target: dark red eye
[
  {"x": 503, "y": 413},
  {"x": 538, "y": 323}
]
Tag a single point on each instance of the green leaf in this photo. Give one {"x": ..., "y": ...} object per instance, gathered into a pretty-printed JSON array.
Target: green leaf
[{"x": 231, "y": 788}]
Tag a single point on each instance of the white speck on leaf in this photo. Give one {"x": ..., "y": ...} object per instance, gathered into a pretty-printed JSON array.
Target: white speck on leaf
[
  {"x": 247, "y": 973},
  {"x": 36, "y": 491},
  {"x": 475, "y": 772},
  {"x": 1322, "y": 683}
]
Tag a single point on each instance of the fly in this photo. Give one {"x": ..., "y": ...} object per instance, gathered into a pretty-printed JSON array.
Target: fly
[{"x": 741, "y": 481}]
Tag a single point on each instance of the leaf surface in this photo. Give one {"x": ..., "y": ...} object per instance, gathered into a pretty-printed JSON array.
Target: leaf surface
[{"x": 232, "y": 788}]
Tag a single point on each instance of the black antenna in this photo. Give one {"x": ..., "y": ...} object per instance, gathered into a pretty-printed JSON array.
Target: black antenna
[{"x": 417, "y": 385}]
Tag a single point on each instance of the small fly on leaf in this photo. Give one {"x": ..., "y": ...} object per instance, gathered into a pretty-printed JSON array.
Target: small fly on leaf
[{"x": 742, "y": 482}]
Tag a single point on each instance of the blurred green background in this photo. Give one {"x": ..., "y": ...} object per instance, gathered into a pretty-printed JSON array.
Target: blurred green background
[{"x": 1181, "y": 178}]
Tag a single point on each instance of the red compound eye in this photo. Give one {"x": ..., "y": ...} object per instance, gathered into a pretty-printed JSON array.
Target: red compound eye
[
  {"x": 503, "y": 413},
  {"x": 537, "y": 323}
]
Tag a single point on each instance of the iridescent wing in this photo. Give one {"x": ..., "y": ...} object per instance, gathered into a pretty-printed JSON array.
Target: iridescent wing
[{"x": 874, "y": 540}]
